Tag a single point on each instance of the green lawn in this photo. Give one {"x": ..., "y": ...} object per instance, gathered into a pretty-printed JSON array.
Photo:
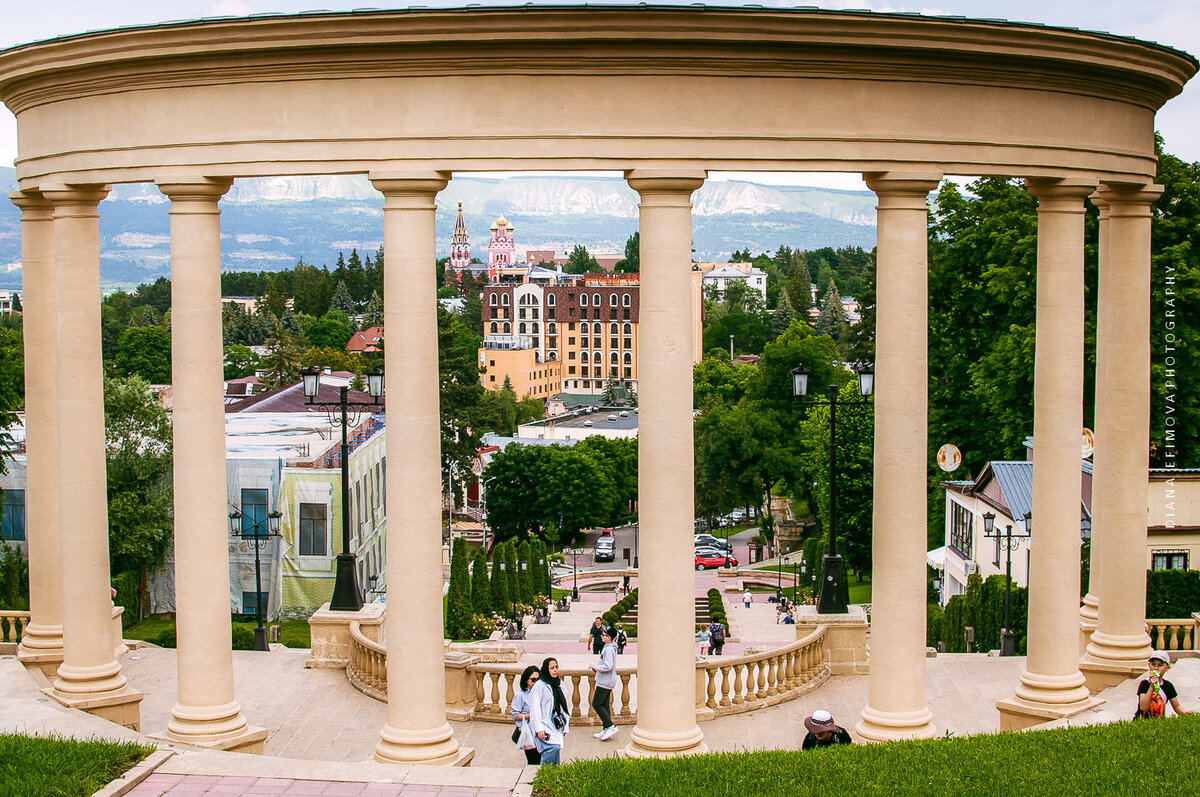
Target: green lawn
[
  {"x": 292, "y": 633},
  {"x": 56, "y": 767},
  {"x": 1147, "y": 758}
]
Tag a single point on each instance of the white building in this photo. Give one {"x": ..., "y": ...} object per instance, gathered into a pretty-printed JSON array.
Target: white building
[{"x": 720, "y": 276}]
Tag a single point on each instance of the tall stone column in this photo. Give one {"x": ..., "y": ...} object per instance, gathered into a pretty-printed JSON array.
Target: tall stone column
[
  {"x": 1089, "y": 609},
  {"x": 666, "y": 723},
  {"x": 1120, "y": 645},
  {"x": 207, "y": 714},
  {"x": 896, "y": 692},
  {"x": 1052, "y": 685},
  {"x": 42, "y": 643},
  {"x": 416, "y": 729},
  {"x": 90, "y": 677}
]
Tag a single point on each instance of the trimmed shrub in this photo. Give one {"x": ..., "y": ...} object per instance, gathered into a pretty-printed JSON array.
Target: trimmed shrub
[
  {"x": 458, "y": 596},
  {"x": 243, "y": 638},
  {"x": 166, "y": 639},
  {"x": 1172, "y": 594},
  {"x": 498, "y": 586},
  {"x": 481, "y": 597},
  {"x": 525, "y": 572}
]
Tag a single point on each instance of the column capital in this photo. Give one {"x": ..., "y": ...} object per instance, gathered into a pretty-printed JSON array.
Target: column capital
[
  {"x": 1128, "y": 199},
  {"x": 33, "y": 204},
  {"x": 903, "y": 189},
  {"x": 1060, "y": 194},
  {"x": 76, "y": 196},
  {"x": 189, "y": 188},
  {"x": 416, "y": 183},
  {"x": 665, "y": 181}
]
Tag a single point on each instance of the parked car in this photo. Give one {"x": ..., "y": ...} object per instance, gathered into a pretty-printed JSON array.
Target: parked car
[
  {"x": 708, "y": 551},
  {"x": 606, "y": 532},
  {"x": 712, "y": 542},
  {"x": 605, "y": 547},
  {"x": 705, "y": 562},
  {"x": 737, "y": 516}
]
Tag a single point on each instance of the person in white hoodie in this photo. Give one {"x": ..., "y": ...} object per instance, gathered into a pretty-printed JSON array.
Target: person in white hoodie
[
  {"x": 549, "y": 715},
  {"x": 606, "y": 681}
]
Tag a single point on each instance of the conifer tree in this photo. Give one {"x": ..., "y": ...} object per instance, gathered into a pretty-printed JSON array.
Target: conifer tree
[
  {"x": 481, "y": 601},
  {"x": 832, "y": 321},
  {"x": 373, "y": 315},
  {"x": 784, "y": 313},
  {"x": 341, "y": 300},
  {"x": 498, "y": 587},
  {"x": 510, "y": 558},
  {"x": 525, "y": 573},
  {"x": 458, "y": 597}
]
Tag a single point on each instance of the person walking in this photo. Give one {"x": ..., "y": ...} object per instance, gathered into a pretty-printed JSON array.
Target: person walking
[
  {"x": 746, "y": 598},
  {"x": 1155, "y": 692},
  {"x": 702, "y": 637},
  {"x": 519, "y": 710},
  {"x": 606, "y": 681},
  {"x": 625, "y": 584},
  {"x": 594, "y": 632},
  {"x": 549, "y": 713},
  {"x": 716, "y": 637},
  {"x": 822, "y": 732},
  {"x": 622, "y": 639}
]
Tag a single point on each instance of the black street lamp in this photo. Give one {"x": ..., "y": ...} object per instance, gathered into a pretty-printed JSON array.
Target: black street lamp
[
  {"x": 636, "y": 524},
  {"x": 247, "y": 527},
  {"x": 574, "y": 553},
  {"x": 347, "y": 594},
  {"x": 831, "y": 600},
  {"x": 1008, "y": 646}
]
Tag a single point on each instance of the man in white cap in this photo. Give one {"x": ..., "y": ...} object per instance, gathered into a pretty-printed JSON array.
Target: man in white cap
[
  {"x": 822, "y": 732},
  {"x": 1155, "y": 691}
]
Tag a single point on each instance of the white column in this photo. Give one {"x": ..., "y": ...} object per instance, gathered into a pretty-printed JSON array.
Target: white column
[
  {"x": 42, "y": 643},
  {"x": 416, "y": 729},
  {"x": 666, "y": 722},
  {"x": 1052, "y": 685},
  {"x": 896, "y": 692},
  {"x": 89, "y": 677},
  {"x": 207, "y": 714},
  {"x": 1120, "y": 642}
]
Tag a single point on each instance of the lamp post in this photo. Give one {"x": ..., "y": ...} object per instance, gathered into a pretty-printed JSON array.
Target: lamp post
[
  {"x": 248, "y": 527},
  {"x": 483, "y": 499},
  {"x": 347, "y": 594},
  {"x": 574, "y": 554},
  {"x": 636, "y": 524},
  {"x": 831, "y": 600},
  {"x": 1008, "y": 645}
]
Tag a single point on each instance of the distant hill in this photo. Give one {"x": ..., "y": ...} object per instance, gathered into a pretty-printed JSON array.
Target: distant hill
[{"x": 269, "y": 223}]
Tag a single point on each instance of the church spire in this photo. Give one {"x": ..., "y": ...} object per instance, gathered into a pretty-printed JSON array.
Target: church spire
[{"x": 460, "y": 246}]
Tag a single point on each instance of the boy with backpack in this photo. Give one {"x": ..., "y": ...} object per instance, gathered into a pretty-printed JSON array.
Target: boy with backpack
[
  {"x": 1155, "y": 691},
  {"x": 716, "y": 637}
]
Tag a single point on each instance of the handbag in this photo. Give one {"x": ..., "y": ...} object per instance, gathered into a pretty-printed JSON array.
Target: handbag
[
  {"x": 516, "y": 735},
  {"x": 525, "y": 738}
]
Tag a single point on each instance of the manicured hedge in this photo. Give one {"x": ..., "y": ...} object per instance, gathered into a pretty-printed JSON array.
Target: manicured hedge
[
  {"x": 1127, "y": 758},
  {"x": 1172, "y": 594}
]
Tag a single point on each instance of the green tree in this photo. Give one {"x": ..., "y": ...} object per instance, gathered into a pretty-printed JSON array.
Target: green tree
[
  {"x": 525, "y": 573},
  {"x": 341, "y": 299},
  {"x": 145, "y": 352},
  {"x": 283, "y": 359},
  {"x": 137, "y": 442},
  {"x": 329, "y": 332},
  {"x": 481, "y": 599},
  {"x": 14, "y": 578},
  {"x": 463, "y": 411},
  {"x": 632, "y": 262},
  {"x": 832, "y": 321},
  {"x": 498, "y": 585},
  {"x": 458, "y": 595},
  {"x": 373, "y": 315},
  {"x": 580, "y": 261},
  {"x": 799, "y": 282},
  {"x": 240, "y": 361},
  {"x": 783, "y": 316},
  {"x": 512, "y": 575}
]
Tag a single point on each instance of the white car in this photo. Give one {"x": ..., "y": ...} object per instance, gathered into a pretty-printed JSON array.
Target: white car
[{"x": 710, "y": 541}]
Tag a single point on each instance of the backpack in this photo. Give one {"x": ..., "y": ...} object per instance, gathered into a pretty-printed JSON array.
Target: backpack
[
  {"x": 718, "y": 634},
  {"x": 622, "y": 638}
]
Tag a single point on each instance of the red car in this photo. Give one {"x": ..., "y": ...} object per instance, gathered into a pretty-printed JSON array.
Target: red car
[
  {"x": 704, "y": 561},
  {"x": 606, "y": 532}
]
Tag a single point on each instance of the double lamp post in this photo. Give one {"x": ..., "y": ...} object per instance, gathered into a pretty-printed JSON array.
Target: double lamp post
[
  {"x": 1008, "y": 645},
  {"x": 347, "y": 594},
  {"x": 249, "y": 527},
  {"x": 832, "y": 599}
]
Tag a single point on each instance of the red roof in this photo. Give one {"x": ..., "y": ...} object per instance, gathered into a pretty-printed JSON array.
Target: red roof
[{"x": 368, "y": 340}]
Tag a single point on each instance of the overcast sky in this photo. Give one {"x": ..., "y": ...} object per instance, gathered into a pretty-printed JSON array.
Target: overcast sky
[{"x": 1171, "y": 22}]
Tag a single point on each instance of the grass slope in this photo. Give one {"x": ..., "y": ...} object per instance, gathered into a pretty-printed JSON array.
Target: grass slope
[
  {"x": 1135, "y": 758},
  {"x": 56, "y": 767}
]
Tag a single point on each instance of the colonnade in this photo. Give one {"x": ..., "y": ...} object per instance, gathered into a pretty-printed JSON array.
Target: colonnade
[{"x": 67, "y": 507}]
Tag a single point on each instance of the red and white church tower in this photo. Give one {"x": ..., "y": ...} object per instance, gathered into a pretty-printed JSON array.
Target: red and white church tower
[
  {"x": 500, "y": 248},
  {"x": 460, "y": 248}
]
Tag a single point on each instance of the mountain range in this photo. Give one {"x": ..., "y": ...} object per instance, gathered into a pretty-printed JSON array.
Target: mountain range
[{"x": 268, "y": 224}]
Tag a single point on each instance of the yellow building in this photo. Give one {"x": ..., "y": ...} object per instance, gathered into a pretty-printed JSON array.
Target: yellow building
[{"x": 523, "y": 368}]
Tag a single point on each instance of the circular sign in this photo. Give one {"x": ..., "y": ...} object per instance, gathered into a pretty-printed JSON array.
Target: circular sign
[
  {"x": 949, "y": 457},
  {"x": 1089, "y": 442}
]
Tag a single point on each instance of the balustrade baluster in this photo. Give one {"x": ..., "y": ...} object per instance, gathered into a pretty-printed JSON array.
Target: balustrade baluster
[
  {"x": 1159, "y": 629},
  {"x": 772, "y": 668},
  {"x": 479, "y": 704},
  {"x": 591, "y": 712},
  {"x": 575, "y": 696},
  {"x": 508, "y": 697},
  {"x": 710, "y": 674},
  {"x": 762, "y": 680},
  {"x": 725, "y": 669},
  {"x": 494, "y": 707},
  {"x": 1187, "y": 637},
  {"x": 739, "y": 673},
  {"x": 625, "y": 695}
]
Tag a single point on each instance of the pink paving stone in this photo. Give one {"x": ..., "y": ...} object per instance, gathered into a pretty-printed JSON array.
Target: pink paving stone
[
  {"x": 307, "y": 788},
  {"x": 345, "y": 789},
  {"x": 156, "y": 779},
  {"x": 229, "y": 788},
  {"x": 457, "y": 791},
  {"x": 205, "y": 780},
  {"x": 378, "y": 789},
  {"x": 417, "y": 788},
  {"x": 237, "y": 780},
  {"x": 142, "y": 790}
]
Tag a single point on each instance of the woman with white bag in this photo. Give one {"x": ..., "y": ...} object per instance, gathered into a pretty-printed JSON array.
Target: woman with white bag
[
  {"x": 519, "y": 710},
  {"x": 549, "y": 716}
]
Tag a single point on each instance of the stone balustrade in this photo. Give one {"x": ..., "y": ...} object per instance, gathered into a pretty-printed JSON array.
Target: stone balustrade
[
  {"x": 495, "y": 686},
  {"x": 12, "y": 626},
  {"x": 1178, "y": 635},
  {"x": 732, "y": 685}
]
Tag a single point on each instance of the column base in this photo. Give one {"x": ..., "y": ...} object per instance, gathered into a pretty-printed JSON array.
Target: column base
[
  {"x": 1089, "y": 618},
  {"x": 1017, "y": 714},
  {"x": 650, "y": 744},
  {"x": 250, "y": 740},
  {"x": 1098, "y": 676},
  {"x": 44, "y": 661},
  {"x": 122, "y": 706},
  {"x": 1112, "y": 658},
  {"x": 891, "y": 726},
  {"x": 431, "y": 747}
]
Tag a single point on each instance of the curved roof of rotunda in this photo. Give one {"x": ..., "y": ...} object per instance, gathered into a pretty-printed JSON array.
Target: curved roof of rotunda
[{"x": 612, "y": 88}]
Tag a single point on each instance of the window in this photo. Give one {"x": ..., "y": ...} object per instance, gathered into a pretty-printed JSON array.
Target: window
[
  {"x": 629, "y": 373},
  {"x": 570, "y": 312},
  {"x": 491, "y": 363},
  {"x": 1169, "y": 560},
  {"x": 358, "y": 504},
  {"x": 521, "y": 313},
  {"x": 12, "y": 515},
  {"x": 495, "y": 327},
  {"x": 252, "y": 600},
  {"x": 613, "y": 357},
  {"x": 504, "y": 299},
  {"x": 507, "y": 327},
  {"x": 596, "y": 372},
  {"x": 550, "y": 300},
  {"x": 534, "y": 326},
  {"x": 612, "y": 343},
  {"x": 595, "y": 300},
  {"x": 492, "y": 378},
  {"x": 571, "y": 327},
  {"x": 583, "y": 300},
  {"x": 521, "y": 328},
  {"x": 628, "y": 329},
  {"x": 961, "y": 532},
  {"x": 628, "y": 358},
  {"x": 254, "y": 512},
  {"x": 626, "y": 314},
  {"x": 996, "y": 552},
  {"x": 612, "y": 329},
  {"x": 613, "y": 314},
  {"x": 571, "y": 368},
  {"x": 612, "y": 300},
  {"x": 583, "y": 357},
  {"x": 629, "y": 343},
  {"x": 492, "y": 300},
  {"x": 314, "y": 530},
  {"x": 625, "y": 300},
  {"x": 550, "y": 314},
  {"x": 570, "y": 355},
  {"x": 584, "y": 329}
]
